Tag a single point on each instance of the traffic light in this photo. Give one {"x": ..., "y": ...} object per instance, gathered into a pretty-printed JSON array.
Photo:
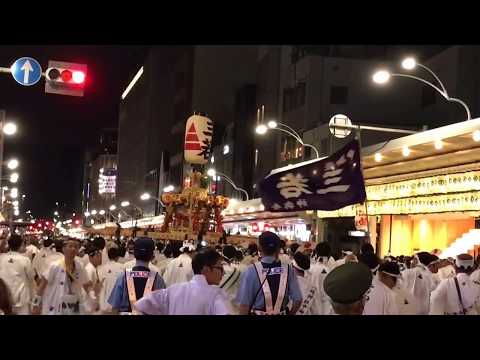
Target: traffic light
[{"x": 65, "y": 78}]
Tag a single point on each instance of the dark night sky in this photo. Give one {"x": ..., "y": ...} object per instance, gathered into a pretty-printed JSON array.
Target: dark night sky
[{"x": 54, "y": 130}]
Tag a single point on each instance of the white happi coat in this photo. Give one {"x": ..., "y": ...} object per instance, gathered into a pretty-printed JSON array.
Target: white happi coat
[
  {"x": 195, "y": 297},
  {"x": 92, "y": 276},
  {"x": 475, "y": 276},
  {"x": 179, "y": 270},
  {"x": 158, "y": 257},
  {"x": 420, "y": 283},
  {"x": 56, "y": 287},
  {"x": 380, "y": 299},
  {"x": 249, "y": 260},
  {"x": 446, "y": 272},
  {"x": 104, "y": 255},
  {"x": 230, "y": 284},
  {"x": 49, "y": 260},
  {"x": 319, "y": 272},
  {"x": 108, "y": 274},
  {"x": 284, "y": 258},
  {"x": 31, "y": 251},
  {"x": 310, "y": 296},
  {"x": 445, "y": 299},
  {"x": 91, "y": 273},
  {"x": 38, "y": 262},
  {"x": 85, "y": 260},
  {"x": 17, "y": 272},
  {"x": 162, "y": 265},
  {"x": 406, "y": 303}
]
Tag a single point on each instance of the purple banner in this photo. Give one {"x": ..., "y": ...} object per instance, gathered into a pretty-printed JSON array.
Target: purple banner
[{"x": 328, "y": 184}]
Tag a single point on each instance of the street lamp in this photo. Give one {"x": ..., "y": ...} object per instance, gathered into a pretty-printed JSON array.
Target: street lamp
[
  {"x": 9, "y": 128},
  {"x": 147, "y": 196},
  {"x": 112, "y": 207},
  {"x": 55, "y": 213},
  {"x": 87, "y": 214},
  {"x": 12, "y": 164},
  {"x": 94, "y": 212},
  {"x": 14, "y": 193},
  {"x": 169, "y": 188},
  {"x": 383, "y": 76},
  {"x": 6, "y": 128},
  {"x": 212, "y": 173},
  {"x": 125, "y": 203},
  {"x": 14, "y": 178},
  {"x": 102, "y": 212},
  {"x": 273, "y": 125}
]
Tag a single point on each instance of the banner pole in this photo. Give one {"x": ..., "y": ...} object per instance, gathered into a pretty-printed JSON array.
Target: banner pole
[{"x": 359, "y": 138}]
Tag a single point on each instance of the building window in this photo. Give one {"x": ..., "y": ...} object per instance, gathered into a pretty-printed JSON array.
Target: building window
[
  {"x": 308, "y": 152},
  {"x": 180, "y": 80},
  {"x": 300, "y": 94},
  {"x": 291, "y": 149},
  {"x": 338, "y": 95},
  {"x": 324, "y": 146},
  {"x": 429, "y": 97},
  {"x": 298, "y": 52},
  {"x": 288, "y": 99},
  {"x": 294, "y": 98}
]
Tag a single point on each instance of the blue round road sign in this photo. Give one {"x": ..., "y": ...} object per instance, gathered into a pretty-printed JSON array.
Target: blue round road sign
[{"x": 26, "y": 71}]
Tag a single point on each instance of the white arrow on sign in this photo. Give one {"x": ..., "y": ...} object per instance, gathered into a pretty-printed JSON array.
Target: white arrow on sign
[{"x": 27, "y": 67}]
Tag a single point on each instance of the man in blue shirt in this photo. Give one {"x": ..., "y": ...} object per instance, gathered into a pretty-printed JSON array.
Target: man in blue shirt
[
  {"x": 267, "y": 286},
  {"x": 133, "y": 284}
]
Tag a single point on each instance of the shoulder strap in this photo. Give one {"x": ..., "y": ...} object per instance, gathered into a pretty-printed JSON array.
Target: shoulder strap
[
  {"x": 307, "y": 302},
  {"x": 267, "y": 294},
  {"x": 150, "y": 283},
  {"x": 459, "y": 293},
  {"x": 234, "y": 272},
  {"x": 132, "y": 296},
  {"x": 282, "y": 288}
]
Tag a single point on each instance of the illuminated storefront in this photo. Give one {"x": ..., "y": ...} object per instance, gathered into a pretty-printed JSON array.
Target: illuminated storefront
[
  {"x": 249, "y": 218},
  {"x": 423, "y": 190}
]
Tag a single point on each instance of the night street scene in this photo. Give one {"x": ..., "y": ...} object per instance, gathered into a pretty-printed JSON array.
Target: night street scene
[{"x": 239, "y": 180}]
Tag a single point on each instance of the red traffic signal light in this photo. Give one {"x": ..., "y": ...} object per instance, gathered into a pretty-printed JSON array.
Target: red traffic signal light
[{"x": 65, "y": 78}]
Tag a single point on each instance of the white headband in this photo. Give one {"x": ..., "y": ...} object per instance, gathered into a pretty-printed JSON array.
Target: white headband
[
  {"x": 189, "y": 247},
  {"x": 434, "y": 262},
  {"x": 465, "y": 263},
  {"x": 394, "y": 275}
]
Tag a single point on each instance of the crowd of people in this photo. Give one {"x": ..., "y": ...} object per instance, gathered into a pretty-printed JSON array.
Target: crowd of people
[{"x": 68, "y": 276}]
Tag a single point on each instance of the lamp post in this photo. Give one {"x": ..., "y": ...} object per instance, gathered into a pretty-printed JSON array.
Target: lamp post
[
  {"x": 383, "y": 76},
  {"x": 126, "y": 204},
  {"x": 5, "y": 129},
  {"x": 147, "y": 196},
  {"x": 273, "y": 125},
  {"x": 212, "y": 173}
]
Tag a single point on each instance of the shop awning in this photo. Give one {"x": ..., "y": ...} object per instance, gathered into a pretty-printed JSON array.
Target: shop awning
[{"x": 458, "y": 148}]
